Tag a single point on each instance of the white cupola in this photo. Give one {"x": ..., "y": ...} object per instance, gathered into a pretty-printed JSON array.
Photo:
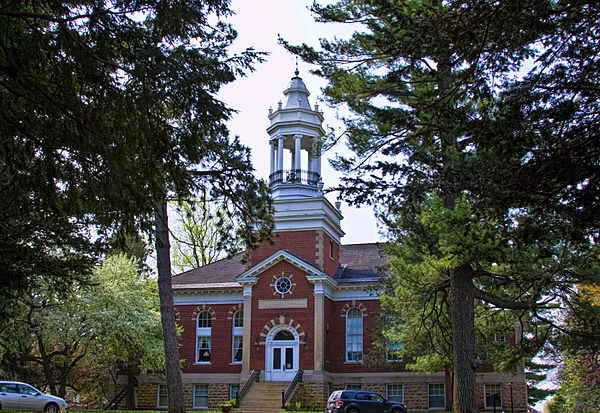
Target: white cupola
[
  {"x": 295, "y": 132},
  {"x": 295, "y": 178}
]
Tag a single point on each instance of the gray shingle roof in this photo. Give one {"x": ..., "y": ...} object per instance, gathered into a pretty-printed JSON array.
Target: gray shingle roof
[
  {"x": 358, "y": 263},
  {"x": 216, "y": 274}
]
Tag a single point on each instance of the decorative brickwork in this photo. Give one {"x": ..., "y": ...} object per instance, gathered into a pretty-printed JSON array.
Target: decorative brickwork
[
  {"x": 201, "y": 308},
  {"x": 353, "y": 304},
  {"x": 235, "y": 308}
]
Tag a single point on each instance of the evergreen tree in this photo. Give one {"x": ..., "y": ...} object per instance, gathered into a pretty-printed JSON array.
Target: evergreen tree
[
  {"x": 448, "y": 143},
  {"x": 107, "y": 110}
]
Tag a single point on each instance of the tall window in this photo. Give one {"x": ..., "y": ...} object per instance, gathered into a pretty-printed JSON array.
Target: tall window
[
  {"x": 354, "y": 335},
  {"x": 201, "y": 396},
  {"x": 437, "y": 396},
  {"x": 393, "y": 348},
  {"x": 234, "y": 389},
  {"x": 493, "y": 391},
  {"x": 395, "y": 392},
  {"x": 238, "y": 336},
  {"x": 203, "y": 331},
  {"x": 162, "y": 396}
]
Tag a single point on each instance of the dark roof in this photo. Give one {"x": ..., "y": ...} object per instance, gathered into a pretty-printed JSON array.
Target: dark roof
[
  {"x": 220, "y": 273},
  {"x": 358, "y": 263}
]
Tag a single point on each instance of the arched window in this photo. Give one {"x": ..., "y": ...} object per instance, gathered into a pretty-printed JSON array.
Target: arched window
[
  {"x": 203, "y": 332},
  {"x": 283, "y": 335},
  {"x": 354, "y": 335},
  {"x": 238, "y": 336}
]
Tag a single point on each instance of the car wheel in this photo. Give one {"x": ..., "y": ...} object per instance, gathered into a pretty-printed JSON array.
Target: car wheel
[
  {"x": 398, "y": 410},
  {"x": 51, "y": 407},
  {"x": 352, "y": 410}
]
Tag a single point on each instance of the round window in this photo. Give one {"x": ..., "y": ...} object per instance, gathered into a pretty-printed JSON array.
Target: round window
[{"x": 283, "y": 285}]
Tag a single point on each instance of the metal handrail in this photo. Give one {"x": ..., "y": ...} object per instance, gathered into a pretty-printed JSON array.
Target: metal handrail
[
  {"x": 285, "y": 396},
  {"x": 294, "y": 176},
  {"x": 254, "y": 376}
]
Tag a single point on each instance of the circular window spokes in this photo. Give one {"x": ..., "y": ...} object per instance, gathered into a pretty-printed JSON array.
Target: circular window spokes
[
  {"x": 283, "y": 285},
  {"x": 284, "y": 335}
]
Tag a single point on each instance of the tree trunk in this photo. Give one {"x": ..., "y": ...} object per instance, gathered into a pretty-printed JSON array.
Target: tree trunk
[
  {"x": 449, "y": 380},
  {"x": 167, "y": 313},
  {"x": 462, "y": 311},
  {"x": 46, "y": 365},
  {"x": 130, "y": 400}
]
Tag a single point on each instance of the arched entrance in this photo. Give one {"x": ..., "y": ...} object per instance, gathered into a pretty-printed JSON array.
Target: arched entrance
[{"x": 282, "y": 354}]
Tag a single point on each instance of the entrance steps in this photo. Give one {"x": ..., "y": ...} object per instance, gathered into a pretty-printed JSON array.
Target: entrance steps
[{"x": 264, "y": 396}]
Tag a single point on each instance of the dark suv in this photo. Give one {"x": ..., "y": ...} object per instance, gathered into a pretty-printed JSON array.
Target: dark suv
[{"x": 360, "y": 401}]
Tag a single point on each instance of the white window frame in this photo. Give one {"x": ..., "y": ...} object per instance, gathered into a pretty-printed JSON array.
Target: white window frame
[
  {"x": 235, "y": 349},
  {"x": 396, "y": 386},
  {"x": 237, "y": 333},
  {"x": 196, "y": 389},
  {"x": 203, "y": 333},
  {"x": 429, "y": 395},
  {"x": 354, "y": 335},
  {"x": 496, "y": 386},
  {"x": 158, "y": 396},
  {"x": 500, "y": 338}
]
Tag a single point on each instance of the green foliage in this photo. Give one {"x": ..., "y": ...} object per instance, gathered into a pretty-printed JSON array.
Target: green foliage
[
  {"x": 301, "y": 407},
  {"x": 485, "y": 178},
  {"x": 105, "y": 106},
  {"x": 580, "y": 387},
  {"x": 77, "y": 340},
  {"x": 197, "y": 233},
  {"x": 537, "y": 372}
]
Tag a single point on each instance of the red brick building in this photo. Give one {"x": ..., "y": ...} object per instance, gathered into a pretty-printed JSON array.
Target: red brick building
[{"x": 300, "y": 304}]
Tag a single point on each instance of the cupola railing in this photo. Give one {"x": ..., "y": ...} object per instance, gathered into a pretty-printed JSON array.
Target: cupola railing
[{"x": 294, "y": 176}]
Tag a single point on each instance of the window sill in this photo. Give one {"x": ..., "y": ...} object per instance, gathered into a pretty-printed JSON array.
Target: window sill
[
  {"x": 235, "y": 363},
  {"x": 353, "y": 362},
  {"x": 202, "y": 363}
]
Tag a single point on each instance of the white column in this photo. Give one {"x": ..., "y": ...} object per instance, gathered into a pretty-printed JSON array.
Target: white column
[
  {"x": 280, "y": 153},
  {"x": 247, "y": 337},
  {"x": 318, "y": 164},
  {"x": 292, "y": 160},
  {"x": 272, "y": 143},
  {"x": 298, "y": 157},
  {"x": 319, "y": 336}
]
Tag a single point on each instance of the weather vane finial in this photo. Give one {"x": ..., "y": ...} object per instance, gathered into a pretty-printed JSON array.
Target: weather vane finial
[{"x": 297, "y": 71}]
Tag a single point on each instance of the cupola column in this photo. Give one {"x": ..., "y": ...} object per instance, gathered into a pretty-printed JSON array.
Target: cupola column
[
  {"x": 273, "y": 154},
  {"x": 298, "y": 156},
  {"x": 280, "y": 153},
  {"x": 318, "y": 164}
]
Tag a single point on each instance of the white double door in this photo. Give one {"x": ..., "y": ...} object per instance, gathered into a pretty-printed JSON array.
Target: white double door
[{"x": 282, "y": 360}]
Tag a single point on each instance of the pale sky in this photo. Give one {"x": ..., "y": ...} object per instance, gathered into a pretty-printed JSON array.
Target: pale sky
[{"x": 259, "y": 22}]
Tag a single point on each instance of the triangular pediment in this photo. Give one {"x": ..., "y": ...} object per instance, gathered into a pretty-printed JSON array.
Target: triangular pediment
[{"x": 251, "y": 275}]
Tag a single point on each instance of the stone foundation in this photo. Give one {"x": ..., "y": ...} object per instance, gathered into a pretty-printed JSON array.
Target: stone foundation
[{"x": 316, "y": 393}]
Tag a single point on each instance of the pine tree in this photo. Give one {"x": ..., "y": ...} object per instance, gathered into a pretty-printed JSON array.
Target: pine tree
[
  {"x": 107, "y": 110},
  {"x": 448, "y": 139}
]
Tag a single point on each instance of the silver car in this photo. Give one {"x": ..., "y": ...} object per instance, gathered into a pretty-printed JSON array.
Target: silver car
[{"x": 15, "y": 395}]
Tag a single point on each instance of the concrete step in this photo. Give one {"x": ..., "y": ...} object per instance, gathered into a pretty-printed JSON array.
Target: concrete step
[{"x": 263, "y": 397}]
